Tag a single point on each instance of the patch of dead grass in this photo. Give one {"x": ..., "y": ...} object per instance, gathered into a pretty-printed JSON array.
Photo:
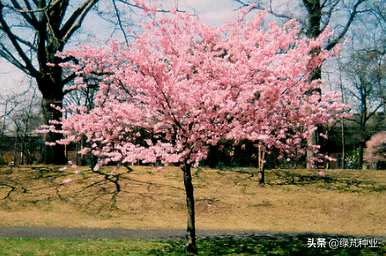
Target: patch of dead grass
[{"x": 341, "y": 202}]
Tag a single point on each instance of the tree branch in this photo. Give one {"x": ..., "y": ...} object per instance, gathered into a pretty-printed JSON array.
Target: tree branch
[
  {"x": 141, "y": 7},
  {"x": 120, "y": 22},
  {"x": 328, "y": 14},
  {"x": 7, "y": 55},
  {"x": 269, "y": 10},
  {"x": 354, "y": 12},
  {"x": 11, "y": 36},
  {"x": 373, "y": 112},
  {"x": 27, "y": 14},
  {"x": 75, "y": 21}
]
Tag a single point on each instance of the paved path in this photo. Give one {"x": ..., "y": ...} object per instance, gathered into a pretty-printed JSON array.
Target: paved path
[{"x": 115, "y": 233}]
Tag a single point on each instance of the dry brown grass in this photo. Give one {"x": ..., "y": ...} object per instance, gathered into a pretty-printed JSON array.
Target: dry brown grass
[{"x": 342, "y": 202}]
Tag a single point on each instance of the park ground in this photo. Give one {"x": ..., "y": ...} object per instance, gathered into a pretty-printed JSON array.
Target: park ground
[{"x": 342, "y": 203}]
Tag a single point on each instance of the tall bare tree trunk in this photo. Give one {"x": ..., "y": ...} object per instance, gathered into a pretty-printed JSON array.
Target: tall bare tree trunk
[
  {"x": 343, "y": 137},
  {"x": 191, "y": 227}
]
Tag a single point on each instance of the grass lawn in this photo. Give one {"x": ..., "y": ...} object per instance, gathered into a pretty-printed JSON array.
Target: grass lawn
[
  {"x": 222, "y": 246},
  {"x": 67, "y": 247},
  {"x": 342, "y": 202}
]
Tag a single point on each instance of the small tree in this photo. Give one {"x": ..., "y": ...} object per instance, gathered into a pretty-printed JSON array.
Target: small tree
[
  {"x": 376, "y": 148},
  {"x": 182, "y": 86}
]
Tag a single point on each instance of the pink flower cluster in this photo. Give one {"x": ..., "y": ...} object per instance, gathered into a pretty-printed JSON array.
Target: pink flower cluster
[{"x": 376, "y": 148}]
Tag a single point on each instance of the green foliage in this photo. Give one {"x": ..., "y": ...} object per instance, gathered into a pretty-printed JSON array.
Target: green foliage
[
  {"x": 2, "y": 161},
  {"x": 352, "y": 159}
]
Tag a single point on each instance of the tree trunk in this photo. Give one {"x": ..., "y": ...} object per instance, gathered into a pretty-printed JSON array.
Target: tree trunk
[
  {"x": 54, "y": 96},
  {"x": 312, "y": 140},
  {"x": 191, "y": 247},
  {"x": 360, "y": 155},
  {"x": 343, "y": 134},
  {"x": 260, "y": 173},
  {"x": 260, "y": 176},
  {"x": 314, "y": 11},
  {"x": 343, "y": 163}
]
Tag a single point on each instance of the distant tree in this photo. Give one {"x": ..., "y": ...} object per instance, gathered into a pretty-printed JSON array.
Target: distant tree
[
  {"x": 376, "y": 148},
  {"x": 25, "y": 120},
  {"x": 8, "y": 103},
  {"x": 365, "y": 78}
]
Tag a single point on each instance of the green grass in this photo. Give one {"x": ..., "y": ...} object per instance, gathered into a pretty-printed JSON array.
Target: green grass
[
  {"x": 218, "y": 246},
  {"x": 76, "y": 247}
]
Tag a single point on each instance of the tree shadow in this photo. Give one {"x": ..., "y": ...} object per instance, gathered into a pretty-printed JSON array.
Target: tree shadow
[
  {"x": 275, "y": 244},
  {"x": 92, "y": 191},
  {"x": 349, "y": 184}
]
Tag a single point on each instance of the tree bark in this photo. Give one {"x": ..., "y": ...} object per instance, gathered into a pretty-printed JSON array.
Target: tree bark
[
  {"x": 53, "y": 96},
  {"x": 191, "y": 247}
]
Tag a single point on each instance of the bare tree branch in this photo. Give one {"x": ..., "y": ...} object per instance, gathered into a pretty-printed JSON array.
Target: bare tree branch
[
  {"x": 328, "y": 14},
  {"x": 142, "y": 7},
  {"x": 74, "y": 22},
  {"x": 4, "y": 26},
  {"x": 117, "y": 14},
  {"x": 258, "y": 7},
  {"x": 354, "y": 12},
  {"x": 6, "y": 54}
]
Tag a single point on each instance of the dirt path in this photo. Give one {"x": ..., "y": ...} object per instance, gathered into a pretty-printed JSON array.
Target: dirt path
[{"x": 116, "y": 233}]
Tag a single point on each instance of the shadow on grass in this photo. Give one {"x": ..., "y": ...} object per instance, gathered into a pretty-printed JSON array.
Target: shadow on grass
[
  {"x": 351, "y": 184},
  {"x": 94, "y": 191},
  {"x": 266, "y": 245}
]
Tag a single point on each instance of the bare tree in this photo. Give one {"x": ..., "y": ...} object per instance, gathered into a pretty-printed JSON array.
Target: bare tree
[
  {"x": 8, "y": 104},
  {"x": 25, "y": 120},
  {"x": 365, "y": 77}
]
